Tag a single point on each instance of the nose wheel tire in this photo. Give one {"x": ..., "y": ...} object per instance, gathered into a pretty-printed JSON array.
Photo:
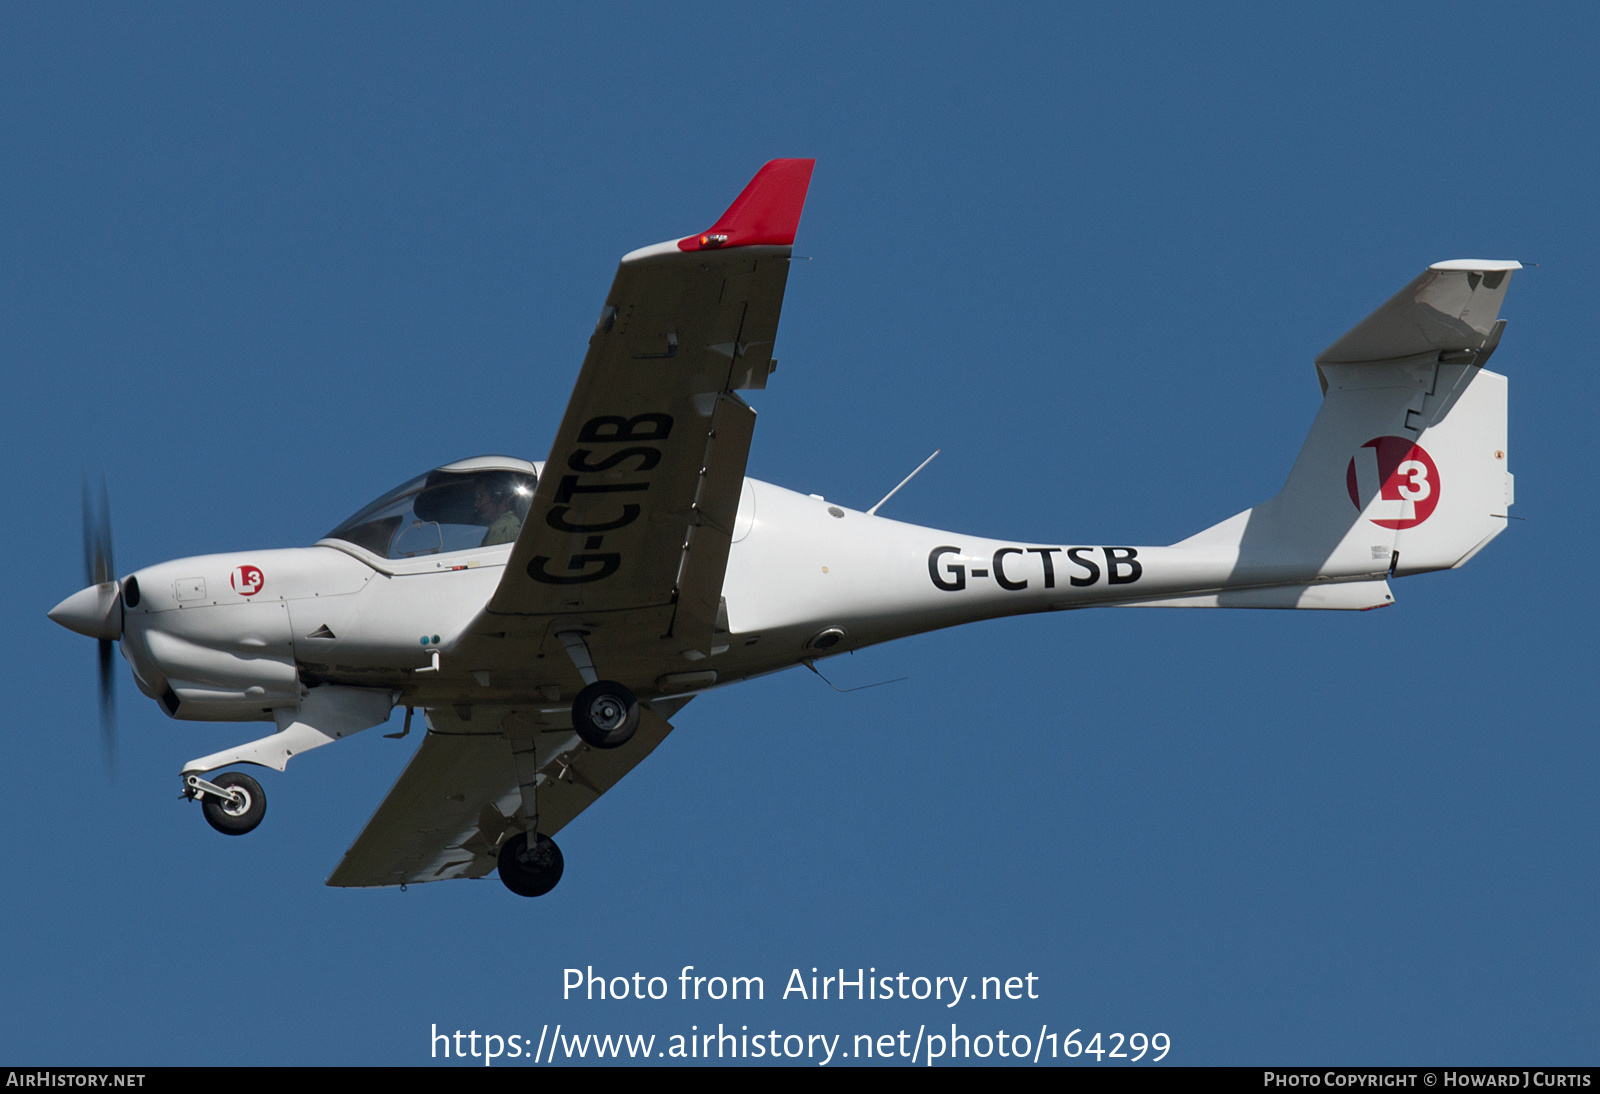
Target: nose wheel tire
[
  {"x": 605, "y": 714},
  {"x": 235, "y": 818},
  {"x": 530, "y": 871}
]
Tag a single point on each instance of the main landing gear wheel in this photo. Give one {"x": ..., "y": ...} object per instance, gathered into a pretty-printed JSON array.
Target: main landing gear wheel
[
  {"x": 530, "y": 871},
  {"x": 235, "y": 818},
  {"x": 605, "y": 714}
]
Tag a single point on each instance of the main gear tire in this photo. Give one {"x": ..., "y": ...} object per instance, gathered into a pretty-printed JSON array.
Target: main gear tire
[
  {"x": 530, "y": 871},
  {"x": 606, "y": 714}
]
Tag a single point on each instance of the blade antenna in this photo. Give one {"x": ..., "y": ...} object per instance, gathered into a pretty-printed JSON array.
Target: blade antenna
[
  {"x": 846, "y": 691},
  {"x": 896, "y": 490}
]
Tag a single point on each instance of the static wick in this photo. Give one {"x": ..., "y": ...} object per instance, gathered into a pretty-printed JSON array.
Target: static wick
[
  {"x": 846, "y": 691},
  {"x": 908, "y": 478}
]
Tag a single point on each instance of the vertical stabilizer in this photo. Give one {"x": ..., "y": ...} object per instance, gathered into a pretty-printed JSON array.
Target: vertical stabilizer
[{"x": 1405, "y": 467}]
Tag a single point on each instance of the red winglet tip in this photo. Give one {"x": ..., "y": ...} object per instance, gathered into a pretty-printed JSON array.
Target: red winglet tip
[{"x": 767, "y": 211}]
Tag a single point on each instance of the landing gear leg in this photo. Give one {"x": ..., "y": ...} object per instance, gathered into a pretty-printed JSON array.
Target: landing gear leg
[{"x": 530, "y": 863}]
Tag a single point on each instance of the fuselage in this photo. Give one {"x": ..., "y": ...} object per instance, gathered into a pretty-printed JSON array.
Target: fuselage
[{"x": 232, "y": 637}]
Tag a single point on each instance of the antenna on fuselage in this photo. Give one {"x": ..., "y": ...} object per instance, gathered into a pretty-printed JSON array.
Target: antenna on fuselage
[
  {"x": 873, "y": 511},
  {"x": 811, "y": 664}
]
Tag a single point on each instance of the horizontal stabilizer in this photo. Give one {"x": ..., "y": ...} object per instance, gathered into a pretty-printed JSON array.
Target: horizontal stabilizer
[{"x": 1450, "y": 308}]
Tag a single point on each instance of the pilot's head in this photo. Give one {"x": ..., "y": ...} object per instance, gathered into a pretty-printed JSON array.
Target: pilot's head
[{"x": 492, "y": 496}]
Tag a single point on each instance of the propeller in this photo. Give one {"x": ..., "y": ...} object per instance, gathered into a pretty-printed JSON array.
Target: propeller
[{"x": 98, "y": 568}]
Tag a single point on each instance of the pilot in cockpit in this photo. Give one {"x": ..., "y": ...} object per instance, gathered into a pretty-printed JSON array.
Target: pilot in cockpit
[{"x": 495, "y": 501}]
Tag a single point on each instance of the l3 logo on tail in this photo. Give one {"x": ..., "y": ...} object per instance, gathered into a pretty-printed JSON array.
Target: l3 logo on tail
[{"x": 1394, "y": 482}]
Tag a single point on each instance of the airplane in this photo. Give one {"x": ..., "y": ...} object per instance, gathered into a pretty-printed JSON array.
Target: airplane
[{"x": 549, "y": 618}]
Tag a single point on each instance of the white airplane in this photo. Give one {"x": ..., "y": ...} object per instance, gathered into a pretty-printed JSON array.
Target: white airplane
[{"x": 549, "y": 618}]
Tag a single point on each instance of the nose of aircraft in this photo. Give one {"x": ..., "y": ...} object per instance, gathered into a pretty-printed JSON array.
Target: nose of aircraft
[{"x": 95, "y": 612}]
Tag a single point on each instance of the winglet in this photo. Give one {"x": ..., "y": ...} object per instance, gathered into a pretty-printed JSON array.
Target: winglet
[{"x": 766, "y": 212}]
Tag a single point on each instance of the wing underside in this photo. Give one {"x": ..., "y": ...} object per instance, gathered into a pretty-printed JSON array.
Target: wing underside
[{"x": 459, "y": 798}]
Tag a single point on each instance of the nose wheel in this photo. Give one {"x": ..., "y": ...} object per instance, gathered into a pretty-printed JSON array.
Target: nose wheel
[
  {"x": 530, "y": 871},
  {"x": 233, "y": 803}
]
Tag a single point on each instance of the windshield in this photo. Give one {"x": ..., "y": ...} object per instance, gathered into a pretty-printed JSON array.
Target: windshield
[{"x": 442, "y": 511}]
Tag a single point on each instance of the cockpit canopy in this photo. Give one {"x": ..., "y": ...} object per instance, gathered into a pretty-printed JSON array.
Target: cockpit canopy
[{"x": 458, "y": 507}]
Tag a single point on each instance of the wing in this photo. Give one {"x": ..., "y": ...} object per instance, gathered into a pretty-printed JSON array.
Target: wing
[
  {"x": 631, "y": 522},
  {"x": 458, "y": 798}
]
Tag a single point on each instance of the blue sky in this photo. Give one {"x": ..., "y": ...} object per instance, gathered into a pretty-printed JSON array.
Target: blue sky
[{"x": 263, "y": 264}]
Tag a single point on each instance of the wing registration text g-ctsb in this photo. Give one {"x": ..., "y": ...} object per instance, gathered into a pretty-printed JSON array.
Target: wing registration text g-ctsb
[{"x": 634, "y": 513}]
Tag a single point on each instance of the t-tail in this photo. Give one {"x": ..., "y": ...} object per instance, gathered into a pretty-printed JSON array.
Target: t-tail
[{"x": 1405, "y": 468}]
